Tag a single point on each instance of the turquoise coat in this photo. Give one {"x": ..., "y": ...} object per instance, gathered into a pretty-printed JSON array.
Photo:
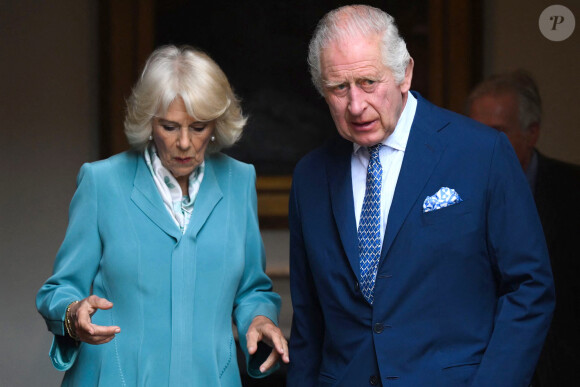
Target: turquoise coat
[{"x": 174, "y": 295}]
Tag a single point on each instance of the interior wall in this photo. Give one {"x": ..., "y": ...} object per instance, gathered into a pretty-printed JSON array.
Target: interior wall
[
  {"x": 49, "y": 123},
  {"x": 512, "y": 39}
]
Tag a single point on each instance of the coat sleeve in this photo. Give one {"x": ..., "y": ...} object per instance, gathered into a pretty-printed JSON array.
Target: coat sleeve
[
  {"x": 254, "y": 296},
  {"x": 307, "y": 321},
  {"x": 517, "y": 249},
  {"x": 75, "y": 268}
]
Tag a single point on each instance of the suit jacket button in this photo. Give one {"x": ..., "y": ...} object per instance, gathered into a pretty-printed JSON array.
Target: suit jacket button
[
  {"x": 379, "y": 328},
  {"x": 357, "y": 287},
  {"x": 374, "y": 380}
]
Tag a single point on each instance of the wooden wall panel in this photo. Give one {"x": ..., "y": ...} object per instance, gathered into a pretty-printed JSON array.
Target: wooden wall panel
[
  {"x": 126, "y": 30},
  {"x": 455, "y": 51}
]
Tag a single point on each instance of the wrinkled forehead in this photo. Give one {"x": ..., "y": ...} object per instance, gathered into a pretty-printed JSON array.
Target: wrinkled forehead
[
  {"x": 352, "y": 53},
  {"x": 347, "y": 35}
]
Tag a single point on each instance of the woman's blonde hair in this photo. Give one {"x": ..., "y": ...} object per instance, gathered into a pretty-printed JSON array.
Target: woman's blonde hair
[{"x": 172, "y": 72}]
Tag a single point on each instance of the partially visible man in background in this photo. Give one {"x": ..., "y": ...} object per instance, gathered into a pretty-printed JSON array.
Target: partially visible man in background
[{"x": 511, "y": 103}]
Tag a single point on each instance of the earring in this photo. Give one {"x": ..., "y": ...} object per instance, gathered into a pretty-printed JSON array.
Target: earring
[
  {"x": 150, "y": 138},
  {"x": 212, "y": 139}
]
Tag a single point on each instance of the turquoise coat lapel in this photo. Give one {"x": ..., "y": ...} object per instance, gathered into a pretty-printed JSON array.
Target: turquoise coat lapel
[
  {"x": 208, "y": 197},
  {"x": 147, "y": 198}
]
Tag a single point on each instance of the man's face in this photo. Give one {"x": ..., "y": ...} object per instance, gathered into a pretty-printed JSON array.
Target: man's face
[
  {"x": 364, "y": 100},
  {"x": 501, "y": 112}
]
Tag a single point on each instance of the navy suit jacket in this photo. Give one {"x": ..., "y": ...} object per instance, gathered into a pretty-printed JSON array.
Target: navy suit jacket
[
  {"x": 463, "y": 296},
  {"x": 556, "y": 194}
]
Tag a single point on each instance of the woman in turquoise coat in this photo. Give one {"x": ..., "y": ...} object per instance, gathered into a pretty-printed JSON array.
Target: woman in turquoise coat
[{"x": 163, "y": 249}]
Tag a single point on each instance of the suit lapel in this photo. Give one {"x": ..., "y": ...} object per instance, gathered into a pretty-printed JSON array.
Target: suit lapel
[
  {"x": 422, "y": 154},
  {"x": 147, "y": 198},
  {"x": 340, "y": 186},
  {"x": 208, "y": 197}
]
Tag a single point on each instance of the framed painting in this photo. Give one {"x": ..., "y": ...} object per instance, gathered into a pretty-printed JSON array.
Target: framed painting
[{"x": 262, "y": 48}]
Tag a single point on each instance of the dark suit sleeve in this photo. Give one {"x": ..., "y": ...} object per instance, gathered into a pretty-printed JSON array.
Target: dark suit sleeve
[
  {"x": 307, "y": 321},
  {"x": 518, "y": 253}
]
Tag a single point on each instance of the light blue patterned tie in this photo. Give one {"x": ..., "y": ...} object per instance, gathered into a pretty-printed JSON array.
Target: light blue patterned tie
[{"x": 369, "y": 232}]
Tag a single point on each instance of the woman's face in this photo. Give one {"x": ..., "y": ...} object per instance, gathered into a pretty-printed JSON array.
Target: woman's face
[{"x": 181, "y": 141}]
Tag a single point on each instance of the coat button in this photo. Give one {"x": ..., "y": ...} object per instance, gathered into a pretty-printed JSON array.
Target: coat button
[
  {"x": 374, "y": 380},
  {"x": 357, "y": 287},
  {"x": 379, "y": 328}
]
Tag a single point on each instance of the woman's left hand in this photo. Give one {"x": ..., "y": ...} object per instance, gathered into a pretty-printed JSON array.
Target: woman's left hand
[{"x": 263, "y": 329}]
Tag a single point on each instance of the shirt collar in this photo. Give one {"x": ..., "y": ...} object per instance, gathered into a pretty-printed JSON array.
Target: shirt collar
[
  {"x": 398, "y": 139},
  {"x": 179, "y": 207}
]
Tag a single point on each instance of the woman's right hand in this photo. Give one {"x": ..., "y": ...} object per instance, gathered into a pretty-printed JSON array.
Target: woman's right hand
[{"x": 80, "y": 314}]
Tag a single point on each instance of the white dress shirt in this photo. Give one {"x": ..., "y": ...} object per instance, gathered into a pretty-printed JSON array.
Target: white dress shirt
[{"x": 391, "y": 156}]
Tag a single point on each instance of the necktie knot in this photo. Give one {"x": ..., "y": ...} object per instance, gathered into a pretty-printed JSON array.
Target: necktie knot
[{"x": 374, "y": 150}]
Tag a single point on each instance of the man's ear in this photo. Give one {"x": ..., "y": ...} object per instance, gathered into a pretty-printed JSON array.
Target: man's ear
[
  {"x": 533, "y": 134},
  {"x": 406, "y": 84}
]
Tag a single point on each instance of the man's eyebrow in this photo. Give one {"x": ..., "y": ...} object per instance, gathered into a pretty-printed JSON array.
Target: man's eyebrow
[
  {"x": 331, "y": 84},
  {"x": 361, "y": 77}
]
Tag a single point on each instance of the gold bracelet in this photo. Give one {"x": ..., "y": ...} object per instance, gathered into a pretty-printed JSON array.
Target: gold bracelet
[{"x": 67, "y": 322}]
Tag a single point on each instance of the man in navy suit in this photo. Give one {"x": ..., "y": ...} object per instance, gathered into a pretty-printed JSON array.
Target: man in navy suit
[
  {"x": 511, "y": 103},
  {"x": 416, "y": 254}
]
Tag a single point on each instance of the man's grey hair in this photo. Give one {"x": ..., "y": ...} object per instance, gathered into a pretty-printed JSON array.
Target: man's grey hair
[
  {"x": 358, "y": 20},
  {"x": 519, "y": 82}
]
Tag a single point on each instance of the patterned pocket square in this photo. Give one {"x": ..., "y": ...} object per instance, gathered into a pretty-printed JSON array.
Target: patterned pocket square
[{"x": 445, "y": 197}]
